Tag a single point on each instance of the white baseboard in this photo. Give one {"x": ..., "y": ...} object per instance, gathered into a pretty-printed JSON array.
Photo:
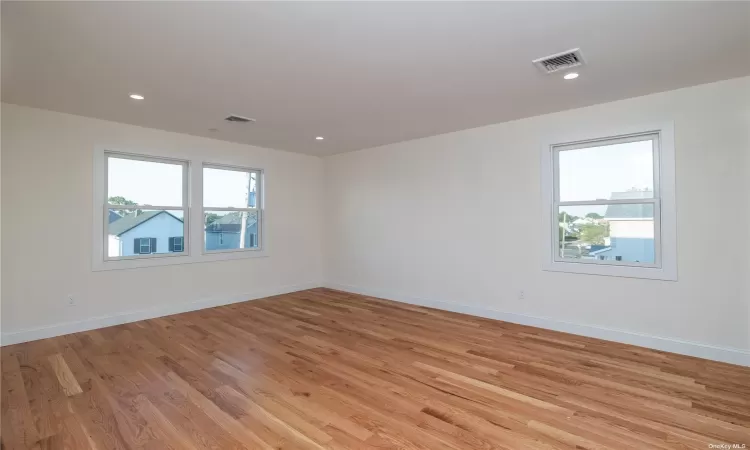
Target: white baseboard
[
  {"x": 33, "y": 334},
  {"x": 697, "y": 349}
]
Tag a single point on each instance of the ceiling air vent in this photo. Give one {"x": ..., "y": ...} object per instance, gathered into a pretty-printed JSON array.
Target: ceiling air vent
[
  {"x": 238, "y": 119},
  {"x": 559, "y": 61}
]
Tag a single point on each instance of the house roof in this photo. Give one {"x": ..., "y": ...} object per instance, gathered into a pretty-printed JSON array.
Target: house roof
[
  {"x": 131, "y": 221},
  {"x": 113, "y": 216},
  {"x": 229, "y": 223},
  {"x": 599, "y": 249},
  {"x": 630, "y": 211}
]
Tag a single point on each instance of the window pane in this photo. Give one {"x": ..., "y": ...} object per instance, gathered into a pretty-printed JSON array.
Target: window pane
[
  {"x": 224, "y": 230},
  {"x": 622, "y": 232},
  {"x": 607, "y": 172},
  {"x": 229, "y": 188},
  {"x": 143, "y": 182},
  {"x": 143, "y": 231}
]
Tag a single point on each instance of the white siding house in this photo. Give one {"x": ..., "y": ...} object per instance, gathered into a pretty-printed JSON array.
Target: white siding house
[
  {"x": 149, "y": 232},
  {"x": 631, "y": 230}
]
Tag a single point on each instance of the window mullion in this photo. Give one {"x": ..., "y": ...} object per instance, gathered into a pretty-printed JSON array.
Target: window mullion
[
  {"x": 146, "y": 207},
  {"x": 636, "y": 137},
  {"x": 634, "y": 201},
  {"x": 214, "y": 208}
]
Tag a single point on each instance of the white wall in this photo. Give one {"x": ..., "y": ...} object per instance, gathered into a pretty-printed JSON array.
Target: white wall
[
  {"x": 451, "y": 220},
  {"x": 455, "y": 221},
  {"x": 47, "y": 182}
]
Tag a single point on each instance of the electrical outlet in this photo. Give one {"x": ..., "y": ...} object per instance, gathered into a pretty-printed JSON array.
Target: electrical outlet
[
  {"x": 521, "y": 295},
  {"x": 71, "y": 300}
]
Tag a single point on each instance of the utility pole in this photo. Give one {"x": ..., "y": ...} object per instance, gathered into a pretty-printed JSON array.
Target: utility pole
[
  {"x": 564, "y": 234},
  {"x": 243, "y": 223}
]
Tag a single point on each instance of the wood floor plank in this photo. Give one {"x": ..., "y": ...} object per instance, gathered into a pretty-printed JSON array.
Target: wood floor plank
[
  {"x": 166, "y": 429},
  {"x": 325, "y": 369},
  {"x": 64, "y": 375},
  {"x": 17, "y": 415}
]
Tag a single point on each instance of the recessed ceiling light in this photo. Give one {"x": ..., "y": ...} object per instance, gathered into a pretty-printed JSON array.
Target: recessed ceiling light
[
  {"x": 137, "y": 96},
  {"x": 571, "y": 76},
  {"x": 319, "y": 138}
]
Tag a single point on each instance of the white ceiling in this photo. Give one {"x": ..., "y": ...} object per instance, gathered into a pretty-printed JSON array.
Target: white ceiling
[{"x": 361, "y": 74}]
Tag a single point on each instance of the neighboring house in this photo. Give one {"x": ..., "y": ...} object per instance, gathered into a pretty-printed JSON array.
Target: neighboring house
[
  {"x": 146, "y": 233},
  {"x": 631, "y": 230},
  {"x": 161, "y": 232},
  {"x": 224, "y": 232}
]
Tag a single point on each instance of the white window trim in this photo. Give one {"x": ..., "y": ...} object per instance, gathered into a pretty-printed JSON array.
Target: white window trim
[
  {"x": 193, "y": 236},
  {"x": 105, "y": 204},
  {"x": 258, "y": 207},
  {"x": 665, "y": 216},
  {"x": 655, "y": 201}
]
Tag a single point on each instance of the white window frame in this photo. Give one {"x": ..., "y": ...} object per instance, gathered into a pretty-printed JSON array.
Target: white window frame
[
  {"x": 193, "y": 236},
  {"x": 107, "y": 206},
  {"x": 663, "y": 201},
  {"x": 258, "y": 208}
]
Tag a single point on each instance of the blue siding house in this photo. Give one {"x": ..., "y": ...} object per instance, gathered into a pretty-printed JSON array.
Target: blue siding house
[{"x": 224, "y": 232}]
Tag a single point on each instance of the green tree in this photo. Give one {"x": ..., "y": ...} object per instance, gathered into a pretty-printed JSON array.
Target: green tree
[
  {"x": 211, "y": 218},
  {"x": 593, "y": 215},
  {"x": 594, "y": 234},
  {"x": 565, "y": 217},
  {"x": 120, "y": 200}
]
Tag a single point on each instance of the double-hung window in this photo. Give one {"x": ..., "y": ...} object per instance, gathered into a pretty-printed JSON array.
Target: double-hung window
[
  {"x": 145, "y": 206},
  {"x": 176, "y": 244},
  {"x": 232, "y": 208},
  {"x": 144, "y": 246},
  {"x": 155, "y": 210},
  {"x": 609, "y": 205}
]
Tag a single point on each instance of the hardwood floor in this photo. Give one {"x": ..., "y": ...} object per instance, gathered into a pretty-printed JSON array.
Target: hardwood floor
[{"x": 326, "y": 369}]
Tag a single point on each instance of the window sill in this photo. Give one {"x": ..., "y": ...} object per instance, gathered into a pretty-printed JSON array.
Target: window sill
[
  {"x": 171, "y": 260},
  {"x": 649, "y": 273}
]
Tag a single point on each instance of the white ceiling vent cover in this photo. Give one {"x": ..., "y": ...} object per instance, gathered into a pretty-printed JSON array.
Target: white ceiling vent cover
[{"x": 560, "y": 61}]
